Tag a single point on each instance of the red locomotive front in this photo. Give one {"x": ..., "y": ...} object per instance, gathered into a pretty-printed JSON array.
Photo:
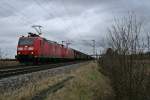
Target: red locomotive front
[
  {"x": 28, "y": 48},
  {"x": 34, "y": 48}
]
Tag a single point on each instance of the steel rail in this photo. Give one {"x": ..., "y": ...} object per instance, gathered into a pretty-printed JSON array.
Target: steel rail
[{"x": 4, "y": 73}]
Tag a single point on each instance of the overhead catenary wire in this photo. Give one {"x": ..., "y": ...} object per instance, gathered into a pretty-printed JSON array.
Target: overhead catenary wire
[
  {"x": 25, "y": 19},
  {"x": 75, "y": 27},
  {"x": 63, "y": 22},
  {"x": 69, "y": 15},
  {"x": 47, "y": 11},
  {"x": 51, "y": 7},
  {"x": 44, "y": 9}
]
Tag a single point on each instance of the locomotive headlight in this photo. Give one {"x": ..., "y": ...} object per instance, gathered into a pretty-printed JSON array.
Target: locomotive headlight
[
  {"x": 30, "y": 48},
  {"x": 32, "y": 53},
  {"x": 20, "y": 48}
]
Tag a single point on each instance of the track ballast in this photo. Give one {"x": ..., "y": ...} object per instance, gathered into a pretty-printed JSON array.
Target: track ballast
[{"x": 7, "y": 72}]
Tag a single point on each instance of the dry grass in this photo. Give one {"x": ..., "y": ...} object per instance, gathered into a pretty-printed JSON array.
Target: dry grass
[
  {"x": 8, "y": 63},
  {"x": 88, "y": 84},
  {"x": 28, "y": 91}
]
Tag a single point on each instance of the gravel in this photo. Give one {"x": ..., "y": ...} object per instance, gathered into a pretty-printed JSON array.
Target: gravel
[{"x": 16, "y": 82}]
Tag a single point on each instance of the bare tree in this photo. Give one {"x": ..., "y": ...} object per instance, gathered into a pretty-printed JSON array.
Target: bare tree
[
  {"x": 125, "y": 64},
  {"x": 148, "y": 41}
]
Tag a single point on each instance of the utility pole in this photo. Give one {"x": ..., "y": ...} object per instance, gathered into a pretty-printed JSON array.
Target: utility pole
[
  {"x": 37, "y": 29},
  {"x": 148, "y": 42},
  {"x": 67, "y": 43},
  {"x": 93, "y": 48},
  {"x": 62, "y": 42}
]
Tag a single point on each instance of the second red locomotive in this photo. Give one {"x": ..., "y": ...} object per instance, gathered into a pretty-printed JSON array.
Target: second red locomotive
[{"x": 34, "y": 48}]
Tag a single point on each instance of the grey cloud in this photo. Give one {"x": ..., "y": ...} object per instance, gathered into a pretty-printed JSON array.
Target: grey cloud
[{"x": 74, "y": 20}]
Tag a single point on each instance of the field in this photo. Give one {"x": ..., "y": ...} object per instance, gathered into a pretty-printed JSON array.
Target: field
[{"x": 8, "y": 63}]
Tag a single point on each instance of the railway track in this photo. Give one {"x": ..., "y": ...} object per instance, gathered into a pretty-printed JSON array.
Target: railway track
[{"x": 13, "y": 71}]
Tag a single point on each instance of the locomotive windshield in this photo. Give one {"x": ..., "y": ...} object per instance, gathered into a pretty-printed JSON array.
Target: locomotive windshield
[{"x": 25, "y": 41}]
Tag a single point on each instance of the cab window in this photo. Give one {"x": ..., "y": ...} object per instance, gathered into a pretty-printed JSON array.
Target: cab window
[{"x": 25, "y": 41}]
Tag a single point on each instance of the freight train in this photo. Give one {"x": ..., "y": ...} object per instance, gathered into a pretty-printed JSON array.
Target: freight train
[{"x": 36, "y": 49}]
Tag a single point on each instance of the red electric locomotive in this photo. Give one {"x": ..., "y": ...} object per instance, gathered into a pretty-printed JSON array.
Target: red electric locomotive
[{"x": 34, "y": 48}]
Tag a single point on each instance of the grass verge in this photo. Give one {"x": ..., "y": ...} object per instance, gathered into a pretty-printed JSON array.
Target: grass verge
[
  {"x": 88, "y": 84},
  {"x": 32, "y": 88}
]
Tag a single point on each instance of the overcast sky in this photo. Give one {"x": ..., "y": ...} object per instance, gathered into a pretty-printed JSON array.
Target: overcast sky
[{"x": 78, "y": 21}]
